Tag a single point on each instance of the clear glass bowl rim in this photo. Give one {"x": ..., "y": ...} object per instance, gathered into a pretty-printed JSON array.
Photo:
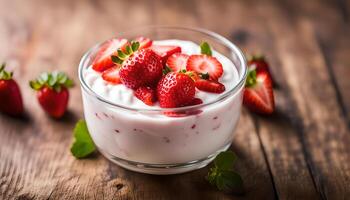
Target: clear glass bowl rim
[{"x": 214, "y": 35}]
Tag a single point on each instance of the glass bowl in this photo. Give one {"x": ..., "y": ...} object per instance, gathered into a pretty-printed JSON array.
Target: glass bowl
[{"x": 150, "y": 140}]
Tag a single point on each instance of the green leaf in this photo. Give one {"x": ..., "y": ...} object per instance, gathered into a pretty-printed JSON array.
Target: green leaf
[
  {"x": 225, "y": 160},
  {"x": 251, "y": 78},
  {"x": 128, "y": 49},
  {"x": 166, "y": 70},
  {"x": 35, "y": 85},
  {"x": 135, "y": 46},
  {"x": 44, "y": 76},
  {"x": 121, "y": 54},
  {"x": 68, "y": 83},
  {"x": 229, "y": 181},
  {"x": 52, "y": 79},
  {"x": 2, "y": 67},
  {"x": 205, "y": 49},
  {"x": 117, "y": 60},
  {"x": 83, "y": 144}
]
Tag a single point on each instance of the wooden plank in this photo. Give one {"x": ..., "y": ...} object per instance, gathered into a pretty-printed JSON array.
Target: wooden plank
[
  {"x": 324, "y": 132},
  {"x": 278, "y": 134},
  {"x": 234, "y": 19}
]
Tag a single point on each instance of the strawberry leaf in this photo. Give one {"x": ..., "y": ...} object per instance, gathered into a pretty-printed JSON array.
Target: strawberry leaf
[
  {"x": 225, "y": 160},
  {"x": 135, "y": 46},
  {"x": 5, "y": 75},
  {"x": 251, "y": 78},
  {"x": 205, "y": 49},
  {"x": 83, "y": 145},
  {"x": 116, "y": 60},
  {"x": 54, "y": 80}
]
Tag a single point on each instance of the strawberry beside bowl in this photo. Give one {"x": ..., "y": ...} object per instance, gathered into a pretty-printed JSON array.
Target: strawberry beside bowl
[{"x": 182, "y": 130}]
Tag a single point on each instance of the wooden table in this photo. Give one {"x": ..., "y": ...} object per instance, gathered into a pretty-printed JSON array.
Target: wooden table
[{"x": 300, "y": 152}]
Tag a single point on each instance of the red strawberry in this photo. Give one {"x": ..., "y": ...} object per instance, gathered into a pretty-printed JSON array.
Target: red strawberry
[
  {"x": 209, "y": 86},
  {"x": 10, "y": 96},
  {"x": 258, "y": 93},
  {"x": 205, "y": 64},
  {"x": 177, "y": 61},
  {"x": 142, "y": 68},
  {"x": 175, "y": 90},
  {"x": 103, "y": 59},
  {"x": 144, "y": 42},
  {"x": 259, "y": 62},
  {"x": 53, "y": 94},
  {"x": 111, "y": 75},
  {"x": 146, "y": 94},
  {"x": 164, "y": 51},
  {"x": 195, "y": 101}
]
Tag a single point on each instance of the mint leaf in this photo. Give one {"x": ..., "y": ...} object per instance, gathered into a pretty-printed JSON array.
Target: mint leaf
[
  {"x": 83, "y": 144},
  {"x": 229, "y": 181},
  {"x": 222, "y": 175},
  {"x": 205, "y": 49},
  {"x": 225, "y": 160}
]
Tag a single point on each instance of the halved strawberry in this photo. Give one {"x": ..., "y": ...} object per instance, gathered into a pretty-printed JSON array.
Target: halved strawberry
[
  {"x": 164, "y": 51},
  {"x": 209, "y": 86},
  {"x": 195, "y": 101},
  {"x": 258, "y": 93},
  {"x": 144, "y": 42},
  {"x": 177, "y": 61},
  {"x": 111, "y": 75},
  {"x": 146, "y": 94},
  {"x": 103, "y": 59},
  {"x": 205, "y": 64},
  {"x": 260, "y": 63}
]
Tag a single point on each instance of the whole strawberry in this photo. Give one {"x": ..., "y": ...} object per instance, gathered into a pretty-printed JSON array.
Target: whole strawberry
[
  {"x": 175, "y": 90},
  {"x": 53, "y": 94},
  {"x": 10, "y": 96},
  {"x": 139, "y": 67}
]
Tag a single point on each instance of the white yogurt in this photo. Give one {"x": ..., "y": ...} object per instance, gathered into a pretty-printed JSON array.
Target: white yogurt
[{"x": 152, "y": 137}]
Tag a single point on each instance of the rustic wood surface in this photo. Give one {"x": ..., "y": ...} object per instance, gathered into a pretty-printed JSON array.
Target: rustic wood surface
[{"x": 300, "y": 152}]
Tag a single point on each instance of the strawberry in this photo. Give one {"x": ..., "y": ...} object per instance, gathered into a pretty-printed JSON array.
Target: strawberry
[
  {"x": 209, "y": 86},
  {"x": 141, "y": 68},
  {"x": 146, "y": 94},
  {"x": 175, "y": 90},
  {"x": 195, "y": 101},
  {"x": 10, "y": 95},
  {"x": 177, "y": 61},
  {"x": 103, "y": 59},
  {"x": 111, "y": 75},
  {"x": 205, "y": 64},
  {"x": 258, "y": 94},
  {"x": 144, "y": 42},
  {"x": 164, "y": 51},
  {"x": 259, "y": 62},
  {"x": 52, "y": 94}
]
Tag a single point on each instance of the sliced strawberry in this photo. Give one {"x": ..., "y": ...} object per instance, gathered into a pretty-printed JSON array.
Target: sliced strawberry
[
  {"x": 259, "y": 62},
  {"x": 146, "y": 94},
  {"x": 103, "y": 59},
  {"x": 164, "y": 51},
  {"x": 177, "y": 61},
  {"x": 144, "y": 42},
  {"x": 258, "y": 93},
  {"x": 209, "y": 86},
  {"x": 195, "y": 101},
  {"x": 111, "y": 75},
  {"x": 205, "y": 64}
]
